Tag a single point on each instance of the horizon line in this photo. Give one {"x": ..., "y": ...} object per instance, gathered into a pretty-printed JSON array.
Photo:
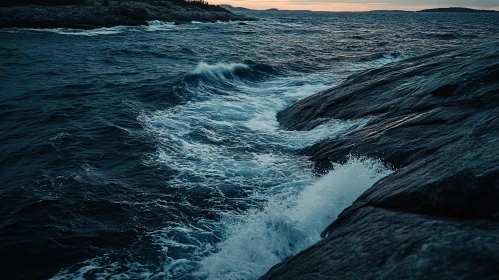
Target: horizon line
[{"x": 304, "y": 8}]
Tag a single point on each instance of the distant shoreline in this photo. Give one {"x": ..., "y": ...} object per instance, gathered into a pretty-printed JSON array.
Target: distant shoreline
[
  {"x": 434, "y": 10},
  {"x": 456, "y": 10}
]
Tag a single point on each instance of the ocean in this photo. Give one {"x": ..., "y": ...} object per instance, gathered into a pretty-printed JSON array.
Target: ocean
[{"x": 155, "y": 152}]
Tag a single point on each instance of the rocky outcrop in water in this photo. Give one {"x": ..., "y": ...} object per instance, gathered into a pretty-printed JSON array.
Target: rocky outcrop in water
[
  {"x": 435, "y": 118},
  {"x": 129, "y": 13}
]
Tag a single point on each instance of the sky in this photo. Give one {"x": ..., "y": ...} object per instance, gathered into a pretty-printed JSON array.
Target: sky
[{"x": 358, "y": 5}]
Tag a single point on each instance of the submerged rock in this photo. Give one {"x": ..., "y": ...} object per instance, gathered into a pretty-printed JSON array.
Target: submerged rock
[
  {"x": 129, "y": 13},
  {"x": 435, "y": 118}
]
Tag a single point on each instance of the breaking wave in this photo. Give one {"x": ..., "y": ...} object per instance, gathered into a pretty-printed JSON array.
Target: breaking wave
[
  {"x": 229, "y": 73},
  {"x": 289, "y": 222}
]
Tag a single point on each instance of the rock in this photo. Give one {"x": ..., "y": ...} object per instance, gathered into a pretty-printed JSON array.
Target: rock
[
  {"x": 135, "y": 13},
  {"x": 375, "y": 243},
  {"x": 435, "y": 118},
  {"x": 129, "y": 13}
]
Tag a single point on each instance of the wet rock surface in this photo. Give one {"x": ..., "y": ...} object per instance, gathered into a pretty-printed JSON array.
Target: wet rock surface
[
  {"x": 375, "y": 243},
  {"x": 128, "y": 13},
  {"x": 435, "y": 119}
]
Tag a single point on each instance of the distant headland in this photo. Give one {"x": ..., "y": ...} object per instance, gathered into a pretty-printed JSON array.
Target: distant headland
[
  {"x": 437, "y": 10},
  {"x": 243, "y": 9},
  {"x": 457, "y": 10},
  {"x": 434, "y": 10},
  {"x": 234, "y": 9},
  {"x": 90, "y": 14}
]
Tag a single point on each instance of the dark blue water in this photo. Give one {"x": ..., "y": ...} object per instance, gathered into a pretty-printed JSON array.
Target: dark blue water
[{"x": 154, "y": 152}]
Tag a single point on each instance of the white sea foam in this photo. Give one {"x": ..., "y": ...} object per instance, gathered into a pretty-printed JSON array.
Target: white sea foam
[
  {"x": 233, "y": 141},
  {"x": 81, "y": 32},
  {"x": 219, "y": 70},
  {"x": 289, "y": 222},
  {"x": 156, "y": 25},
  {"x": 224, "y": 139}
]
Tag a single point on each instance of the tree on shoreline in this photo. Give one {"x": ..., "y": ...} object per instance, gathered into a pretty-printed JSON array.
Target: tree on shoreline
[{"x": 5, "y": 3}]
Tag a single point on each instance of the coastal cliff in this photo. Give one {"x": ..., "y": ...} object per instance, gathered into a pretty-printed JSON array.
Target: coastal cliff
[
  {"x": 127, "y": 13},
  {"x": 435, "y": 120}
]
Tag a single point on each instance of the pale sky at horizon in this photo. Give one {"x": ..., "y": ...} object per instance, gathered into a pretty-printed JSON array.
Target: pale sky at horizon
[{"x": 358, "y": 5}]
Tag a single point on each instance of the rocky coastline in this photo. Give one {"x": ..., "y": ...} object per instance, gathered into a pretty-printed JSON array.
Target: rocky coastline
[
  {"x": 126, "y": 13},
  {"x": 435, "y": 120}
]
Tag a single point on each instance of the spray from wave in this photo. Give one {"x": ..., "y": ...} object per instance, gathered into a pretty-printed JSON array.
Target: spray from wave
[
  {"x": 219, "y": 70},
  {"x": 156, "y": 25},
  {"x": 288, "y": 223},
  {"x": 226, "y": 76}
]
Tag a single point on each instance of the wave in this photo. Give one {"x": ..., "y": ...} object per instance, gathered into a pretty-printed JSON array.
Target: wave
[
  {"x": 219, "y": 70},
  {"x": 449, "y": 35},
  {"x": 217, "y": 22},
  {"x": 228, "y": 73},
  {"x": 73, "y": 32},
  {"x": 156, "y": 25},
  {"x": 382, "y": 58},
  {"x": 287, "y": 224}
]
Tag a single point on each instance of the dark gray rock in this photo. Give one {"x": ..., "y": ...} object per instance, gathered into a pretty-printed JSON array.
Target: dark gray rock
[
  {"x": 127, "y": 13},
  {"x": 375, "y": 243},
  {"x": 436, "y": 119}
]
